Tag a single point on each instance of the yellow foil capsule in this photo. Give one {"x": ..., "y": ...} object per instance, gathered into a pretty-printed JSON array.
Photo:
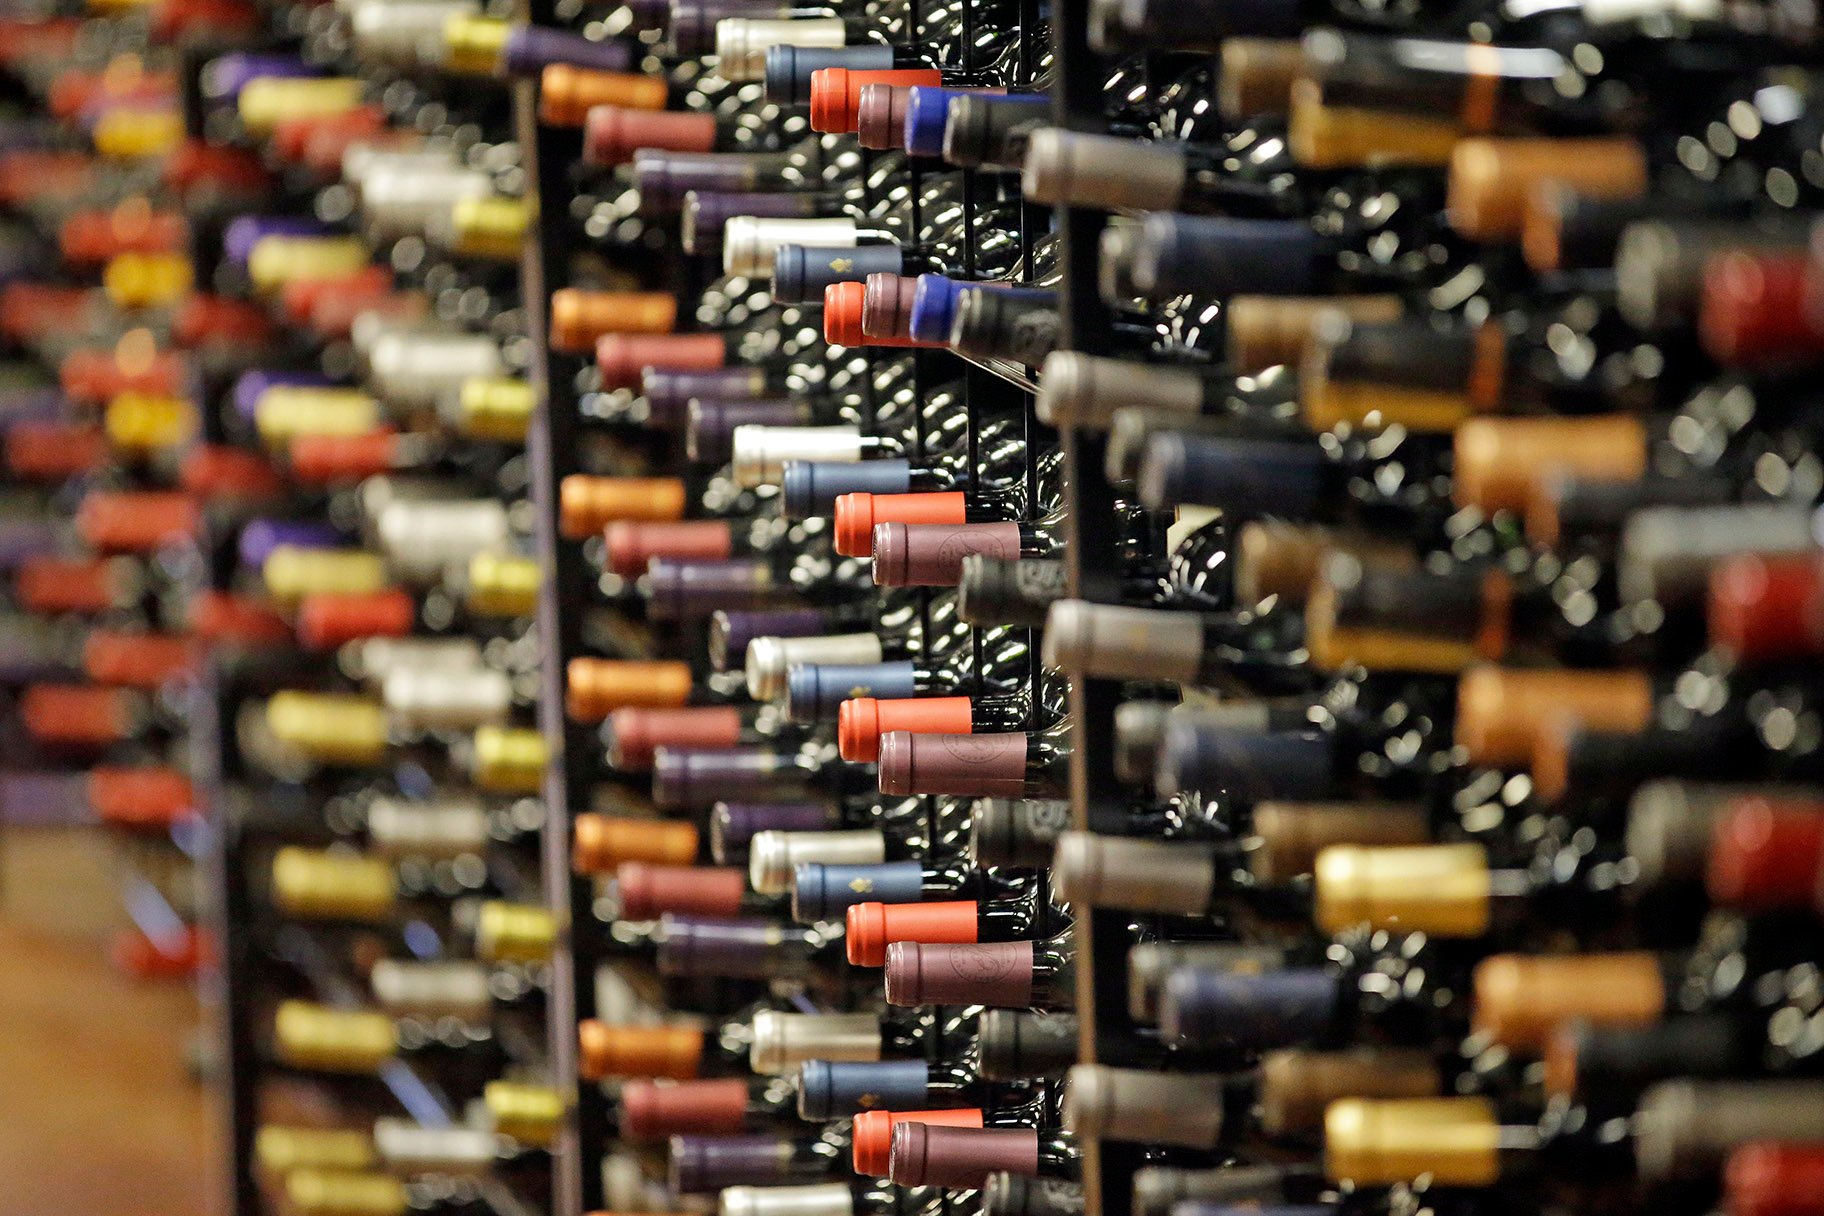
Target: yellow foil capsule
[
  {"x": 1438, "y": 889},
  {"x": 280, "y": 1150},
  {"x": 278, "y": 260},
  {"x": 474, "y": 44},
  {"x": 266, "y": 101},
  {"x": 496, "y": 408},
  {"x": 293, "y": 571},
  {"x": 489, "y": 227},
  {"x": 147, "y": 280},
  {"x": 509, "y": 760},
  {"x": 531, "y": 1114},
  {"x": 315, "y": 1192},
  {"x": 142, "y": 422},
  {"x": 503, "y": 586},
  {"x": 332, "y": 885},
  {"x": 128, "y": 133},
  {"x": 330, "y": 728},
  {"x": 307, "y": 1035},
  {"x": 514, "y": 933},
  {"x": 285, "y": 412},
  {"x": 1451, "y": 1141}
]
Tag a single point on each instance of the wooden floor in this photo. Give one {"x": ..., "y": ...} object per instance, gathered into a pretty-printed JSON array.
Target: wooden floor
[{"x": 101, "y": 1115}]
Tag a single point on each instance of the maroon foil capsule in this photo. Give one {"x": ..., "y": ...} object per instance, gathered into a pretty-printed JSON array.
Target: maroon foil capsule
[
  {"x": 981, "y": 766},
  {"x": 685, "y": 778},
  {"x": 997, "y": 974},
  {"x": 702, "y": 1164},
  {"x": 880, "y": 116},
  {"x": 886, "y": 305},
  {"x": 960, "y": 1158},
  {"x": 931, "y": 555}
]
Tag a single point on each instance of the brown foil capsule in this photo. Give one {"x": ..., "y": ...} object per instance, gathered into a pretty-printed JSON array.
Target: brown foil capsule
[
  {"x": 1521, "y": 999},
  {"x": 708, "y": 1108},
  {"x": 611, "y": 134},
  {"x": 1502, "y": 463},
  {"x": 1501, "y": 711},
  {"x": 595, "y": 688},
  {"x": 579, "y": 317},
  {"x": 1292, "y": 834},
  {"x": 1491, "y": 179},
  {"x": 1256, "y": 76},
  {"x": 587, "y": 505},
  {"x": 649, "y": 891},
  {"x": 1343, "y": 137},
  {"x": 1297, "y": 1086},
  {"x": 1266, "y": 331},
  {"x": 981, "y": 766}
]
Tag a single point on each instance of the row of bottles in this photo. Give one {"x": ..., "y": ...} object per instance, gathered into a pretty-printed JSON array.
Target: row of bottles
[
  {"x": 285, "y": 409},
  {"x": 1237, "y": 642}
]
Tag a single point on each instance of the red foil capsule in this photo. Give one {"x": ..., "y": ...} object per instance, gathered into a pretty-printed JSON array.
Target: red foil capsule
[
  {"x": 90, "y": 238},
  {"x": 137, "y": 660},
  {"x": 300, "y": 297},
  {"x": 97, "y": 375},
  {"x": 328, "y": 621},
  {"x": 81, "y": 716},
  {"x": 51, "y": 451},
  {"x": 221, "y": 616},
  {"x": 209, "y": 169},
  {"x": 141, "y": 797},
  {"x": 73, "y": 584},
  {"x": 649, "y": 891},
  {"x": 217, "y": 473},
  {"x": 326, "y": 459},
  {"x": 1767, "y": 854},
  {"x": 139, "y": 956},
  {"x": 1768, "y": 609},
  {"x": 137, "y": 521},
  {"x": 1759, "y": 309},
  {"x": 1774, "y": 1180},
  {"x": 219, "y": 321}
]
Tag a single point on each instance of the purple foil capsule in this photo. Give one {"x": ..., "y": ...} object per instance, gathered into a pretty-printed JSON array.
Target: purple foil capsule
[
  {"x": 693, "y": 22},
  {"x": 243, "y": 233},
  {"x": 709, "y": 434},
  {"x": 669, "y": 392},
  {"x": 719, "y": 949},
  {"x": 225, "y": 76},
  {"x": 664, "y": 178},
  {"x": 261, "y": 536},
  {"x": 702, "y": 1164},
  {"x": 707, "y": 212},
  {"x": 680, "y": 589},
  {"x": 685, "y": 778},
  {"x": 45, "y": 799},
  {"x": 23, "y": 538},
  {"x": 730, "y": 632},
  {"x": 733, "y": 824},
  {"x": 251, "y": 385},
  {"x": 531, "y": 49}
]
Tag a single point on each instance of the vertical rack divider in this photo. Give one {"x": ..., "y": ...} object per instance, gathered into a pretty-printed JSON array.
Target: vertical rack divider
[
  {"x": 551, "y": 446},
  {"x": 1094, "y": 572},
  {"x": 224, "y": 988}
]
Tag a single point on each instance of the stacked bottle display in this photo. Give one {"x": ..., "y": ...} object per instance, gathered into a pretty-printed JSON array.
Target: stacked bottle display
[
  {"x": 1433, "y": 469},
  {"x": 104, "y": 473},
  {"x": 307, "y": 353}
]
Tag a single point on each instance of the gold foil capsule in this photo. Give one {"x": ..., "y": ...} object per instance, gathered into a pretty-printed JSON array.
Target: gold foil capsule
[
  {"x": 284, "y": 412},
  {"x": 1441, "y": 889},
  {"x": 321, "y": 883},
  {"x": 474, "y": 44},
  {"x": 514, "y": 933},
  {"x": 294, "y": 571},
  {"x": 278, "y": 260},
  {"x": 490, "y": 227},
  {"x": 307, "y": 1035},
  {"x": 144, "y": 422},
  {"x": 280, "y": 1150},
  {"x": 530, "y": 1114},
  {"x": 128, "y": 133},
  {"x": 147, "y": 280},
  {"x": 313, "y": 1192},
  {"x": 509, "y": 760},
  {"x": 1451, "y": 1141},
  {"x": 496, "y": 408},
  {"x": 266, "y": 101},
  {"x": 328, "y": 727},
  {"x": 500, "y": 585}
]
